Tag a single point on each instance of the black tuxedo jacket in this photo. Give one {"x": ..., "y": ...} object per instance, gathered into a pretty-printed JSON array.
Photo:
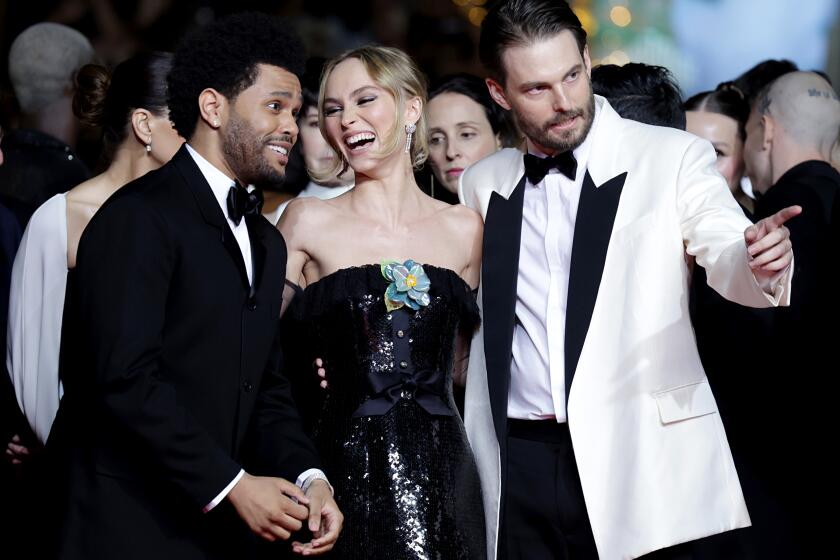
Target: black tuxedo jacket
[
  {"x": 169, "y": 356},
  {"x": 804, "y": 376}
]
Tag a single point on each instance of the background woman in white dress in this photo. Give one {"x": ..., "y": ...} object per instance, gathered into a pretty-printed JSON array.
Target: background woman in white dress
[{"x": 130, "y": 107}]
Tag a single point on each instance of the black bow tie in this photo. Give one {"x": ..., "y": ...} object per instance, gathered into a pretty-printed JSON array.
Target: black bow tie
[
  {"x": 537, "y": 168},
  {"x": 241, "y": 203}
]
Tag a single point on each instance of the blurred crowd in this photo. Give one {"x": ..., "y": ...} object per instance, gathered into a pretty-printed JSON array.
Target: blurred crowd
[{"x": 86, "y": 112}]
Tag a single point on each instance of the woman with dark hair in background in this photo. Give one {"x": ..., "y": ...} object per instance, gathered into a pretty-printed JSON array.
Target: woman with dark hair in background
[
  {"x": 720, "y": 116},
  {"x": 465, "y": 125},
  {"x": 130, "y": 107}
]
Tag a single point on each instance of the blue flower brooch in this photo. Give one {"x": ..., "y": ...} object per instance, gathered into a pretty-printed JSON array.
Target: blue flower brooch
[{"x": 409, "y": 285}]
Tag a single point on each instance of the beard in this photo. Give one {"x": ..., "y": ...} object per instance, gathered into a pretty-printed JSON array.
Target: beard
[
  {"x": 245, "y": 153},
  {"x": 565, "y": 140}
]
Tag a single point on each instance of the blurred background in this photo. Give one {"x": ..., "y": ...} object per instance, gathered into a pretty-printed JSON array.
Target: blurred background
[{"x": 703, "y": 42}]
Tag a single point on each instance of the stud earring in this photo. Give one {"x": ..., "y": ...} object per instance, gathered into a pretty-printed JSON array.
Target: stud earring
[
  {"x": 216, "y": 123},
  {"x": 409, "y": 131}
]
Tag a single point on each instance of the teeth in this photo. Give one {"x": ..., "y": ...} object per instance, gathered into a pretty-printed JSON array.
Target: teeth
[
  {"x": 355, "y": 139},
  {"x": 280, "y": 150}
]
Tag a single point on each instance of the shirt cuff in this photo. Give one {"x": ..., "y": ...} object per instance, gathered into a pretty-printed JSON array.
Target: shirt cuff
[
  {"x": 309, "y": 476},
  {"x": 774, "y": 287},
  {"x": 224, "y": 492}
]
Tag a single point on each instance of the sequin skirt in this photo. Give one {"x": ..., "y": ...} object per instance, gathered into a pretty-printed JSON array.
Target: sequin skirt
[{"x": 407, "y": 485}]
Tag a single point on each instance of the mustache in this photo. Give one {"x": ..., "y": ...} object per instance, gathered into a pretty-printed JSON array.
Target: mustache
[
  {"x": 565, "y": 117},
  {"x": 281, "y": 138}
]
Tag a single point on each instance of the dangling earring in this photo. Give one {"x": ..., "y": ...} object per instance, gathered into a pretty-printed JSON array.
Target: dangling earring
[
  {"x": 149, "y": 148},
  {"x": 409, "y": 131},
  {"x": 433, "y": 184}
]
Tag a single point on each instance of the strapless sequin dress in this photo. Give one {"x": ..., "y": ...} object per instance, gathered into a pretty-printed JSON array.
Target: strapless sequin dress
[{"x": 390, "y": 437}]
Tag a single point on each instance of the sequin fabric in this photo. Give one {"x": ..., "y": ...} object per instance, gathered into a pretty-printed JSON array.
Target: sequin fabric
[{"x": 405, "y": 480}]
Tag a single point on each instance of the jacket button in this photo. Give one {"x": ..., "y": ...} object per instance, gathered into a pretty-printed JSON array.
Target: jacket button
[
  {"x": 400, "y": 334},
  {"x": 403, "y": 364},
  {"x": 246, "y": 386}
]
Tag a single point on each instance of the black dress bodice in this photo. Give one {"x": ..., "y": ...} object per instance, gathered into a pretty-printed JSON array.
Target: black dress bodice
[{"x": 388, "y": 431}]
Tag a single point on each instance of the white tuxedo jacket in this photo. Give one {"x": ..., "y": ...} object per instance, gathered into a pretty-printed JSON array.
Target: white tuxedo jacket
[{"x": 653, "y": 457}]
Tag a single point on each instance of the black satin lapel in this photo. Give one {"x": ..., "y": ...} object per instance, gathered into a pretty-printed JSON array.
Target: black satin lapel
[
  {"x": 499, "y": 273},
  {"x": 200, "y": 188},
  {"x": 593, "y": 229},
  {"x": 208, "y": 205},
  {"x": 235, "y": 252},
  {"x": 258, "y": 250}
]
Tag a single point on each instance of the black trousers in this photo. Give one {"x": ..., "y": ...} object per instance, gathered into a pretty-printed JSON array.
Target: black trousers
[
  {"x": 543, "y": 511},
  {"x": 544, "y": 515}
]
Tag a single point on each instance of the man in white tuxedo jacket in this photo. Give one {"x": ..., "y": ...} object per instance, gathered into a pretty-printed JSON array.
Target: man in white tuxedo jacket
[{"x": 593, "y": 424}]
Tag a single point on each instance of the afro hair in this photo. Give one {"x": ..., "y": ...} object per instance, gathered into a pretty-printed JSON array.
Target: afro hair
[{"x": 224, "y": 55}]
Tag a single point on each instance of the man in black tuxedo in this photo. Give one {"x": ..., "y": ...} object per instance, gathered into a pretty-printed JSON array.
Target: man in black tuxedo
[
  {"x": 792, "y": 128},
  {"x": 170, "y": 357}
]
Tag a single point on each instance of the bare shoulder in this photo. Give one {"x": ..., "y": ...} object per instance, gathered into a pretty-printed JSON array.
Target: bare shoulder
[
  {"x": 83, "y": 202},
  {"x": 303, "y": 213},
  {"x": 88, "y": 193},
  {"x": 464, "y": 220}
]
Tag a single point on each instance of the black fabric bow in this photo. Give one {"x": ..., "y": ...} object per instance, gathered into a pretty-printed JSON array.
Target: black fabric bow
[
  {"x": 426, "y": 386},
  {"x": 537, "y": 168},
  {"x": 241, "y": 203}
]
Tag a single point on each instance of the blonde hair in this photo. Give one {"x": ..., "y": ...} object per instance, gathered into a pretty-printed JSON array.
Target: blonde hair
[{"x": 395, "y": 72}]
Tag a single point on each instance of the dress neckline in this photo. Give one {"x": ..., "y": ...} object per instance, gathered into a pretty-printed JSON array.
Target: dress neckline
[{"x": 364, "y": 267}]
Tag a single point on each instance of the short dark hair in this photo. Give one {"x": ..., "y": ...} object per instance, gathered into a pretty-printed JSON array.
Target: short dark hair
[
  {"x": 310, "y": 83},
  {"x": 520, "y": 22},
  {"x": 759, "y": 76},
  {"x": 224, "y": 55},
  {"x": 727, "y": 100},
  {"x": 474, "y": 87},
  {"x": 641, "y": 92},
  {"x": 106, "y": 99}
]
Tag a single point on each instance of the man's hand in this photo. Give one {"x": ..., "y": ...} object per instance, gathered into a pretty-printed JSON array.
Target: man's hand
[
  {"x": 266, "y": 505},
  {"x": 16, "y": 452},
  {"x": 769, "y": 246},
  {"x": 325, "y": 520}
]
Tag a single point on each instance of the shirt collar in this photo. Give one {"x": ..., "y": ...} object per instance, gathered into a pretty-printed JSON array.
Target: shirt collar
[{"x": 219, "y": 183}]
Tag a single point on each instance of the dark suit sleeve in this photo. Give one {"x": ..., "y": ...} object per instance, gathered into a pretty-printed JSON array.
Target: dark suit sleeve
[
  {"x": 281, "y": 446},
  {"x": 125, "y": 263}
]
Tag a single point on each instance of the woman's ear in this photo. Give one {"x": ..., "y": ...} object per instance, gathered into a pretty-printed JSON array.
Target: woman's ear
[
  {"x": 413, "y": 110},
  {"x": 141, "y": 126}
]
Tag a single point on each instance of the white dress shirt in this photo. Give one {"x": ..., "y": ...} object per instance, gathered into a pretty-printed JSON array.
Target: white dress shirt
[
  {"x": 220, "y": 184},
  {"x": 537, "y": 373}
]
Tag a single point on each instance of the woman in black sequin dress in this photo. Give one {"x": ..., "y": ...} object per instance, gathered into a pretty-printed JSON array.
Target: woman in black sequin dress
[{"x": 393, "y": 333}]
